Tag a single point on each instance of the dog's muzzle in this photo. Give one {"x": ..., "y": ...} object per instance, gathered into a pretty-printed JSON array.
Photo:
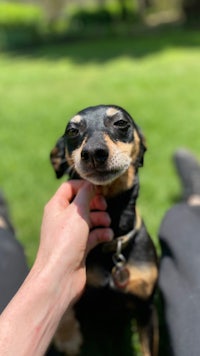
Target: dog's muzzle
[{"x": 94, "y": 156}]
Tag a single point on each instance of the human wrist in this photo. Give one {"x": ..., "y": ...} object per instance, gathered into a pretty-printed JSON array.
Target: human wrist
[
  {"x": 54, "y": 281},
  {"x": 37, "y": 307}
]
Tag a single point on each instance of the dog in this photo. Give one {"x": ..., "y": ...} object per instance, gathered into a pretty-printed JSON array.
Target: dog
[{"x": 103, "y": 145}]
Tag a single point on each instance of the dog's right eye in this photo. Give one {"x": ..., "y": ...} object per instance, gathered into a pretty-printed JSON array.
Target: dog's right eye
[
  {"x": 121, "y": 124},
  {"x": 72, "y": 132}
]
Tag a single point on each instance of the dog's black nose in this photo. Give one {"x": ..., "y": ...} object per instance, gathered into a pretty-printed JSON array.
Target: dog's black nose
[{"x": 96, "y": 155}]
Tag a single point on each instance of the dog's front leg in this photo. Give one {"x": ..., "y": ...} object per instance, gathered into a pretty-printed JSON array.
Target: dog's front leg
[{"x": 149, "y": 333}]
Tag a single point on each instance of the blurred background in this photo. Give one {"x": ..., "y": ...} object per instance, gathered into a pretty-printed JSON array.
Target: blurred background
[{"x": 59, "y": 56}]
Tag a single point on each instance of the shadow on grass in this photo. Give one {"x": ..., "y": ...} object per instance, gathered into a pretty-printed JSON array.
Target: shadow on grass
[{"x": 102, "y": 49}]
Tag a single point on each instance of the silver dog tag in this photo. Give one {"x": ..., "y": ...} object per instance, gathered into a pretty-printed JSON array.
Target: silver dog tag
[{"x": 120, "y": 275}]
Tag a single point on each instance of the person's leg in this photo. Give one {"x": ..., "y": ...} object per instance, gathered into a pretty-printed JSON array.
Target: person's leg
[
  {"x": 179, "y": 279},
  {"x": 13, "y": 265}
]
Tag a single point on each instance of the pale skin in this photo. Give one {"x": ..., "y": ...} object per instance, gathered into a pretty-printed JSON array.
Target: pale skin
[{"x": 58, "y": 275}]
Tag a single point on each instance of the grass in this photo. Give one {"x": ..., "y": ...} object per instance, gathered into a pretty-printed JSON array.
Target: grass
[{"x": 154, "y": 76}]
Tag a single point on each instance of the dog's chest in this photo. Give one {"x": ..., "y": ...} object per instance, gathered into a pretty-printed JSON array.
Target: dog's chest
[
  {"x": 103, "y": 261},
  {"x": 106, "y": 264}
]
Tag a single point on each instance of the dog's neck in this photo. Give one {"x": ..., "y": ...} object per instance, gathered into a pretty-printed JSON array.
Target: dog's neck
[
  {"x": 121, "y": 209},
  {"x": 121, "y": 196}
]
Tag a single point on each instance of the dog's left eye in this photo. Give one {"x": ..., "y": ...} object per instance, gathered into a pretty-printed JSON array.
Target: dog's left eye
[
  {"x": 121, "y": 124},
  {"x": 72, "y": 132}
]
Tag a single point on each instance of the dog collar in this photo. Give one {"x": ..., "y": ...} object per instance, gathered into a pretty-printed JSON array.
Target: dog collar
[{"x": 123, "y": 240}]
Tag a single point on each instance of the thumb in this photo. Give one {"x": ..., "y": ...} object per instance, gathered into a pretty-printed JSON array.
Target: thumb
[{"x": 83, "y": 198}]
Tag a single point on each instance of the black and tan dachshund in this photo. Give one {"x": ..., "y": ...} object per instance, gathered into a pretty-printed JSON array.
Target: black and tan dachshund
[{"x": 103, "y": 144}]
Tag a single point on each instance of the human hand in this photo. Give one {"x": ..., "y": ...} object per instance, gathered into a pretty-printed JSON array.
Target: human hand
[
  {"x": 58, "y": 275},
  {"x": 66, "y": 235}
]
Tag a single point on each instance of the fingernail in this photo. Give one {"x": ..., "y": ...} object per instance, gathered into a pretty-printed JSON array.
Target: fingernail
[
  {"x": 108, "y": 219},
  {"x": 103, "y": 201},
  {"x": 109, "y": 234}
]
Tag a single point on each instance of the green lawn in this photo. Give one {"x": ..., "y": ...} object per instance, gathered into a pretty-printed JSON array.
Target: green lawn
[{"x": 155, "y": 76}]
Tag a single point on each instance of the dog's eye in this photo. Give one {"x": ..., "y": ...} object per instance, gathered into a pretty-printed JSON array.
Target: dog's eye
[
  {"x": 121, "y": 124},
  {"x": 72, "y": 132}
]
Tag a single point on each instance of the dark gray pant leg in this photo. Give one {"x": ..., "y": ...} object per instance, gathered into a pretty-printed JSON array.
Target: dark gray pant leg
[
  {"x": 180, "y": 278},
  {"x": 13, "y": 266}
]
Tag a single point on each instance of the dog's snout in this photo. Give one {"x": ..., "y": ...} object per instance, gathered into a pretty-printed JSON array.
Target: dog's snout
[
  {"x": 96, "y": 155},
  {"x": 101, "y": 155}
]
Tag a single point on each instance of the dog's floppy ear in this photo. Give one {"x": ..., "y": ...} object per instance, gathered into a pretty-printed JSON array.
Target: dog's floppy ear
[
  {"x": 142, "y": 145},
  {"x": 57, "y": 157},
  {"x": 143, "y": 148}
]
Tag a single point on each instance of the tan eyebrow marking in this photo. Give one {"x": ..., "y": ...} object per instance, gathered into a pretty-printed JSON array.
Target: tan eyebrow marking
[
  {"x": 111, "y": 112},
  {"x": 76, "y": 119}
]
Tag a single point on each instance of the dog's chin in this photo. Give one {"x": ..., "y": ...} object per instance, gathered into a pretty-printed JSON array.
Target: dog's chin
[{"x": 102, "y": 177}]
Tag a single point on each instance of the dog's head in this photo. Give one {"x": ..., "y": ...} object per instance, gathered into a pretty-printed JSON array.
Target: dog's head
[{"x": 100, "y": 144}]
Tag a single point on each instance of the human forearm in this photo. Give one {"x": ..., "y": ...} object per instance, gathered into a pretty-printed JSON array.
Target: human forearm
[{"x": 30, "y": 320}]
